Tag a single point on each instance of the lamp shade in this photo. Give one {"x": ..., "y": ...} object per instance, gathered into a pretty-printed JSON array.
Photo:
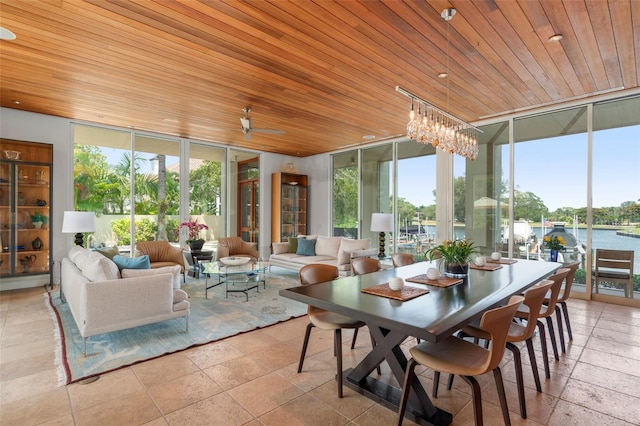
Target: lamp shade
[
  {"x": 382, "y": 222},
  {"x": 74, "y": 222}
]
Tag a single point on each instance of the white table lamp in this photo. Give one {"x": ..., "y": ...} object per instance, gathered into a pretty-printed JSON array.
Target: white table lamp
[
  {"x": 78, "y": 222},
  {"x": 382, "y": 222}
]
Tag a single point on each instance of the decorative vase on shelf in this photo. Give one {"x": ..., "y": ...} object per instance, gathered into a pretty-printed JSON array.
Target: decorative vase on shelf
[
  {"x": 553, "y": 255},
  {"x": 196, "y": 245}
]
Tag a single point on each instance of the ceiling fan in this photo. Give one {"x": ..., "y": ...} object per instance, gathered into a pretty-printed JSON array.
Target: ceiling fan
[{"x": 247, "y": 129}]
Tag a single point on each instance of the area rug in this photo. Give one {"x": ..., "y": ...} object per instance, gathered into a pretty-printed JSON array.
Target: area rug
[{"x": 211, "y": 319}]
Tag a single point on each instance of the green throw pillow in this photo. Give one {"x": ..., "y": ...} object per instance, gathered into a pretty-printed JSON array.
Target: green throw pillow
[
  {"x": 306, "y": 247},
  {"x": 293, "y": 244},
  {"x": 140, "y": 262},
  {"x": 108, "y": 251}
]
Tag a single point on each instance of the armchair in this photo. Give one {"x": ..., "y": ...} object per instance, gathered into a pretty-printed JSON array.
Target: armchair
[
  {"x": 160, "y": 253},
  {"x": 236, "y": 246}
]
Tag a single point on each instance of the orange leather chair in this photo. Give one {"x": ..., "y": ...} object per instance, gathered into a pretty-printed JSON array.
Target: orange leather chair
[{"x": 236, "y": 246}]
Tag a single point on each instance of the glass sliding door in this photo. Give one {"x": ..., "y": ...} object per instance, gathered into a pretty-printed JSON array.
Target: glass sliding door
[
  {"x": 480, "y": 191},
  {"x": 616, "y": 188},
  {"x": 345, "y": 194}
]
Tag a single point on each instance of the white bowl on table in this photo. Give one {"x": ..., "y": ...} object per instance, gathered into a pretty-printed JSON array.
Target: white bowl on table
[{"x": 234, "y": 261}]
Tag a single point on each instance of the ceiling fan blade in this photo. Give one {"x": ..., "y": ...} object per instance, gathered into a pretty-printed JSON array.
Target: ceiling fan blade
[{"x": 270, "y": 131}]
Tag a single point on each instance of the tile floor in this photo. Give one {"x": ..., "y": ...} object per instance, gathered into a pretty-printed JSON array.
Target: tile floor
[{"x": 251, "y": 379}]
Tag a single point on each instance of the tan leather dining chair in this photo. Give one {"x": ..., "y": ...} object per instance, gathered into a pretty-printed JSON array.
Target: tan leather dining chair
[
  {"x": 364, "y": 265},
  {"x": 533, "y": 299},
  {"x": 614, "y": 266},
  {"x": 402, "y": 259},
  {"x": 466, "y": 359},
  {"x": 546, "y": 312},
  {"x": 325, "y": 320},
  {"x": 562, "y": 303}
]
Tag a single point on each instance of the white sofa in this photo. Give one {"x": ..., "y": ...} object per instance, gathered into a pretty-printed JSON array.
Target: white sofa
[
  {"x": 336, "y": 251},
  {"x": 101, "y": 301}
]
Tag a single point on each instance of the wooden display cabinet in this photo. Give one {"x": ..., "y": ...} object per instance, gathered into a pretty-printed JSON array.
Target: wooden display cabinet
[
  {"x": 289, "y": 194},
  {"x": 25, "y": 208}
]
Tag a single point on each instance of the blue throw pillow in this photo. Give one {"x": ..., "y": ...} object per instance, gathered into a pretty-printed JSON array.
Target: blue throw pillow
[
  {"x": 123, "y": 262},
  {"x": 306, "y": 247}
]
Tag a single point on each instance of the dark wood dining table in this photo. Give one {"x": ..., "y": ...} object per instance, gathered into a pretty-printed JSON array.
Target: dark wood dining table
[{"x": 432, "y": 317}]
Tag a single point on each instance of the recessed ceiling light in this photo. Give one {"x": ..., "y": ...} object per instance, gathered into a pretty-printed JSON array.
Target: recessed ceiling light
[
  {"x": 368, "y": 137},
  {"x": 16, "y": 102},
  {"x": 555, "y": 37},
  {"x": 443, "y": 75},
  {"x": 5, "y": 34}
]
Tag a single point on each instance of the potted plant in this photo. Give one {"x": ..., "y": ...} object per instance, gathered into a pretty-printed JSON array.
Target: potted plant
[
  {"x": 194, "y": 227},
  {"x": 554, "y": 244},
  {"x": 455, "y": 256}
]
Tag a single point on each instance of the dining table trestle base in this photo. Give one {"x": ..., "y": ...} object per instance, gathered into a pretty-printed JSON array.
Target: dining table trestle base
[{"x": 389, "y": 396}]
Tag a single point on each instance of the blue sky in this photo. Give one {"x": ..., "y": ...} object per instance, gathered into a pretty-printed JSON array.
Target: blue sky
[{"x": 554, "y": 169}]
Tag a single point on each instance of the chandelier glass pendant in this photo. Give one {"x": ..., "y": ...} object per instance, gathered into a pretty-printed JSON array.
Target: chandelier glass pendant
[{"x": 431, "y": 125}]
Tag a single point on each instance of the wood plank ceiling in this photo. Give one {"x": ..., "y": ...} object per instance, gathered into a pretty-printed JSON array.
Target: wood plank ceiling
[{"x": 322, "y": 71}]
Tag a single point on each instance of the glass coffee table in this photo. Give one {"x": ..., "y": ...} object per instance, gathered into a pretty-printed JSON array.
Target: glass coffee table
[{"x": 237, "y": 279}]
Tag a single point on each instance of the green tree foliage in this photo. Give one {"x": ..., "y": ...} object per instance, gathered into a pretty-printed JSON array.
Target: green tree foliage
[
  {"x": 145, "y": 230},
  {"x": 205, "y": 184},
  {"x": 527, "y": 205},
  {"x": 345, "y": 197},
  {"x": 459, "y": 196}
]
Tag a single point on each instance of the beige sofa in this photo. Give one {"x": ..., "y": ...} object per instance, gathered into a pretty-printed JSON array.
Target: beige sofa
[
  {"x": 337, "y": 251},
  {"x": 101, "y": 301}
]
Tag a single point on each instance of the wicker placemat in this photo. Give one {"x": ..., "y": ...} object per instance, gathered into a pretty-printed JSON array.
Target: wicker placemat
[
  {"x": 406, "y": 293},
  {"x": 502, "y": 261},
  {"x": 440, "y": 282},
  {"x": 485, "y": 267}
]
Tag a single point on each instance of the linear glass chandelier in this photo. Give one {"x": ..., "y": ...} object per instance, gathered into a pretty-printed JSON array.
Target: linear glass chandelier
[{"x": 431, "y": 125}]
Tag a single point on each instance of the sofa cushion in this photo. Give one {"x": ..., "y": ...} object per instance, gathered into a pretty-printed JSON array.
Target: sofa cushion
[
  {"x": 306, "y": 247},
  {"x": 349, "y": 245},
  {"x": 141, "y": 262},
  {"x": 175, "y": 270},
  {"x": 179, "y": 295},
  {"x": 94, "y": 266},
  {"x": 328, "y": 246},
  {"x": 108, "y": 251},
  {"x": 293, "y": 244}
]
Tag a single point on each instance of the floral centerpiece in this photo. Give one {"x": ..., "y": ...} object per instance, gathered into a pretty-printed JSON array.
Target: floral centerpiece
[
  {"x": 554, "y": 243},
  {"x": 194, "y": 227},
  {"x": 456, "y": 255}
]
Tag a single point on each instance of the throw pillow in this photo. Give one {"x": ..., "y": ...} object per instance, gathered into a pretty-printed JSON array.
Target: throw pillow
[
  {"x": 293, "y": 244},
  {"x": 348, "y": 245},
  {"x": 327, "y": 246},
  {"x": 124, "y": 262},
  {"x": 108, "y": 251},
  {"x": 306, "y": 247},
  {"x": 175, "y": 270},
  {"x": 96, "y": 267}
]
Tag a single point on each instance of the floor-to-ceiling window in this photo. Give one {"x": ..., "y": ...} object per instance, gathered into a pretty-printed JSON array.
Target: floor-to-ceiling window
[
  {"x": 207, "y": 201},
  {"x": 376, "y": 188},
  {"x": 550, "y": 183},
  {"x": 155, "y": 168},
  {"x": 345, "y": 194},
  {"x": 416, "y": 199}
]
